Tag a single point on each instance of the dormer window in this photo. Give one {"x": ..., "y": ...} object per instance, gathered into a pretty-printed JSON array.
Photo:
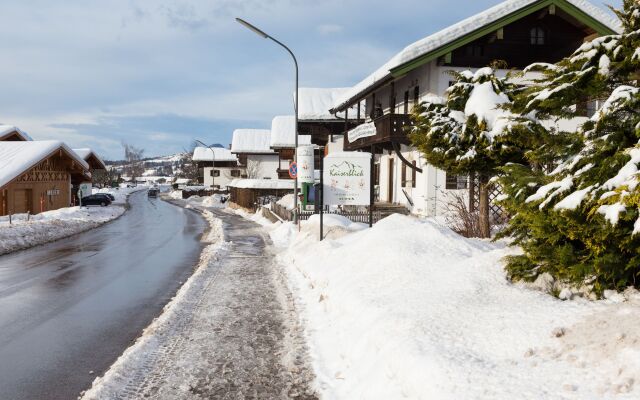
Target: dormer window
[{"x": 537, "y": 36}]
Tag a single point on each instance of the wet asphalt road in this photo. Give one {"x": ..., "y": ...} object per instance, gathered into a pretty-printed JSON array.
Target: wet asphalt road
[{"x": 73, "y": 306}]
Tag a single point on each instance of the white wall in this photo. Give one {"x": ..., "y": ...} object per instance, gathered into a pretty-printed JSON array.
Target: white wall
[
  {"x": 268, "y": 165},
  {"x": 225, "y": 176}
]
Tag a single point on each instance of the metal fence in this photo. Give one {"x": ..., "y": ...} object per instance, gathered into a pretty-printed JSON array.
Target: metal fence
[{"x": 354, "y": 216}]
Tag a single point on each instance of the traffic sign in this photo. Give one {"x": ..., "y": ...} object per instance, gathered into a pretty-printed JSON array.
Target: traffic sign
[{"x": 293, "y": 169}]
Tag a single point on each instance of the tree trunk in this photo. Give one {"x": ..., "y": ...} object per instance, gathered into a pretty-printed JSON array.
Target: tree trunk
[
  {"x": 485, "y": 228},
  {"x": 472, "y": 192}
]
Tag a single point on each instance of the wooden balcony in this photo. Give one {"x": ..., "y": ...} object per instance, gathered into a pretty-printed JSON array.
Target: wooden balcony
[{"x": 389, "y": 128}]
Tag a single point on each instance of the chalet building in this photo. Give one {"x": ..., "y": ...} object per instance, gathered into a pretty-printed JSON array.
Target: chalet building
[
  {"x": 94, "y": 161},
  {"x": 283, "y": 134},
  {"x": 515, "y": 32},
  {"x": 252, "y": 147},
  {"x": 9, "y": 133},
  {"x": 217, "y": 166},
  {"x": 37, "y": 176}
]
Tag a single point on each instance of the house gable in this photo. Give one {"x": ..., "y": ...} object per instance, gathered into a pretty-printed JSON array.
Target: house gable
[{"x": 555, "y": 9}]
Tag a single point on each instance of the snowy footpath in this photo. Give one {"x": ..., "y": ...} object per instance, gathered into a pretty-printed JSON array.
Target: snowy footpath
[
  {"x": 411, "y": 310},
  {"x": 27, "y": 231},
  {"x": 231, "y": 332}
]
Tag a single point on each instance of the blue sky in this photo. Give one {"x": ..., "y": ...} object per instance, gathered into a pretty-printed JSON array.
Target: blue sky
[{"x": 160, "y": 73}]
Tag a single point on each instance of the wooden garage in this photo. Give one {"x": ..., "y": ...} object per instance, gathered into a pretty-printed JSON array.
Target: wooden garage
[{"x": 36, "y": 176}]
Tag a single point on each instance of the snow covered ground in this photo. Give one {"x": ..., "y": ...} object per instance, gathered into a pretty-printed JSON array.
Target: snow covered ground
[
  {"x": 409, "y": 309},
  {"x": 53, "y": 225}
]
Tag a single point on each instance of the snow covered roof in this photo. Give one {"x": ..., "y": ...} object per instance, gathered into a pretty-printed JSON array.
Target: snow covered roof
[
  {"x": 86, "y": 154},
  {"x": 255, "y": 141},
  {"x": 262, "y": 183},
  {"x": 205, "y": 154},
  {"x": 459, "y": 30},
  {"x": 18, "y": 157},
  {"x": 315, "y": 104},
  {"x": 10, "y": 130},
  {"x": 283, "y": 133}
]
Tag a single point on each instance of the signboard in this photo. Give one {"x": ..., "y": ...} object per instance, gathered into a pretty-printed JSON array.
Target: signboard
[
  {"x": 84, "y": 190},
  {"x": 305, "y": 164},
  {"x": 293, "y": 170},
  {"x": 347, "y": 178}
]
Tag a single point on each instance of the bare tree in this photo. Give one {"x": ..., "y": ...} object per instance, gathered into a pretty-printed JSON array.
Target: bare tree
[
  {"x": 133, "y": 156},
  {"x": 254, "y": 169},
  {"x": 105, "y": 177},
  {"x": 187, "y": 168}
]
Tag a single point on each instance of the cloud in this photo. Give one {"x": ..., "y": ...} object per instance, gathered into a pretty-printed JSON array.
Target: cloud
[{"x": 328, "y": 29}]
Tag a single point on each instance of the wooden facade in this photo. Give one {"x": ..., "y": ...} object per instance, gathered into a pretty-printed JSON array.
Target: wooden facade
[{"x": 44, "y": 187}]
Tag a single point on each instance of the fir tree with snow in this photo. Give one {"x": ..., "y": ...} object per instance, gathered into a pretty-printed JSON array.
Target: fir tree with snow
[
  {"x": 471, "y": 131},
  {"x": 579, "y": 220}
]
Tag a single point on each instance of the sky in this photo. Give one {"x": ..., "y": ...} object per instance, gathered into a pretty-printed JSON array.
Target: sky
[{"x": 160, "y": 73}]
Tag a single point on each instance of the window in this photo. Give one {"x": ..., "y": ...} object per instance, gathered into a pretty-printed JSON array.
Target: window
[
  {"x": 456, "y": 182},
  {"x": 537, "y": 36},
  {"x": 406, "y": 102},
  {"x": 235, "y": 173},
  {"x": 413, "y": 174},
  {"x": 214, "y": 172},
  {"x": 416, "y": 95},
  {"x": 475, "y": 50},
  {"x": 404, "y": 175}
]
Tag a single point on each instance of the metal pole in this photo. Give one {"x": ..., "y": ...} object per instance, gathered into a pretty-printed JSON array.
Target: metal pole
[
  {"x": 371, "y": 191},
  {"x": 321, "y": 194},
  {"x": 295, "y": 61}
]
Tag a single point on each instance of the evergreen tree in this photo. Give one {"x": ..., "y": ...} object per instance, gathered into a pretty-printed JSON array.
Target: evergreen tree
[
  {"x": 579, "y": 220},
  {"x": 470, "y": 131}
]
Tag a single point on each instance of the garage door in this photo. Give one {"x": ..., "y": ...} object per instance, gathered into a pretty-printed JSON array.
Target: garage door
[{"x": 22, "y": 201}]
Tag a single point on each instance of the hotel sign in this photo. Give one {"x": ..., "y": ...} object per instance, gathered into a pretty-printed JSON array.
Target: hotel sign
[{"x": 347, "y": 178}]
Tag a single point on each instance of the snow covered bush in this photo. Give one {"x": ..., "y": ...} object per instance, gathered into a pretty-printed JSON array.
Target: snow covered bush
[
  {"x": 471, "y": 130},
  {"x": 579, "y": 220}
]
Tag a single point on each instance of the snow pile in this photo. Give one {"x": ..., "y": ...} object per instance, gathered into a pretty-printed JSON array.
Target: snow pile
[
  {"x": 283, "y": 133},
  {"x": 409, "y": 309},
  {"x": 286, "y": 201},
  {"x": 214, "y": 201},
  {"x": 262, "y": 183},
  {"x": 255, "y": 141},
  {"x": 28, "y": 231}
]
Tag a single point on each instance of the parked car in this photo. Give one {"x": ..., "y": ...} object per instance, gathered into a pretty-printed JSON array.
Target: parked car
[
  {"x": 152, "y": 192},
  {"x": 109, "y": 195},
  {"x": 99, "y": 199}
]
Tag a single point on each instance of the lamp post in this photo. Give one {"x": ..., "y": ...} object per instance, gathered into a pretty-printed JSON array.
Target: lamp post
[
  {"x": 295, "y": 61},
  {"x": 213, "y": 165}
]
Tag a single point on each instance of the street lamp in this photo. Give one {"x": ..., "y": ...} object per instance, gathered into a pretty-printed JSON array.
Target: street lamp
[
  {"x": 213, "y": 164},
  {"x": 295, "y": 61}
]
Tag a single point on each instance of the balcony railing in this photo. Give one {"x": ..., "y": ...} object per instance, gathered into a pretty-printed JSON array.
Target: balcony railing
[{"x": 389, "y": 128}]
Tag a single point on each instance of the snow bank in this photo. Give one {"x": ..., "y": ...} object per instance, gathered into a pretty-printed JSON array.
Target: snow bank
[
  {"x": 53, "y": 225},
  {"x": 409, "y": 309}
]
